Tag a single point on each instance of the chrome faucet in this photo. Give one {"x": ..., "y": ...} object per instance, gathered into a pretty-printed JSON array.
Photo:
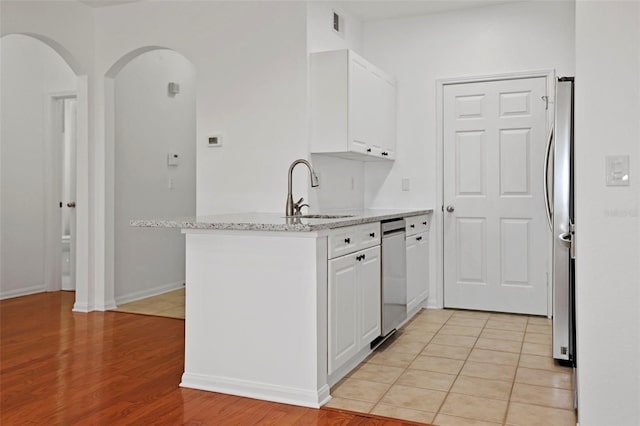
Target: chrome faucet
[{"x": 294, "y": 209}]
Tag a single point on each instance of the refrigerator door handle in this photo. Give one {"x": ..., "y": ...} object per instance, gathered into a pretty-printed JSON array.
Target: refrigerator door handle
[{"x": 545, "y": 176}]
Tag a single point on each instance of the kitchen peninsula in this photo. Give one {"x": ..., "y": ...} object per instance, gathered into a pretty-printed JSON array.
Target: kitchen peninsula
[{"x": 259, "y": 310}]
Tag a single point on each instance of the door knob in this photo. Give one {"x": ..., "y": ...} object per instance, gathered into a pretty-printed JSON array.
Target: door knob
[
  {"x": 71, "y": 205},
  {"x": 450, "y": 209}
]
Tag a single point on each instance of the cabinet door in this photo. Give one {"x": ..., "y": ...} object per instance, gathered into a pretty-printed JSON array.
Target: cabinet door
[
  {"x": 417, "y": 270},
  {"x": 370, "y": 295},
  {"x": 360, "y": 105},
  {"x": 423, "y": 270},
  {"x": 388, "y": 119},
  {"x": 380, "y": 121},
  {"x": 343, "y": 308}
]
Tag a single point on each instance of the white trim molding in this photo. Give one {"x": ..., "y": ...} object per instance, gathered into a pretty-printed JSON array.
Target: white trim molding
[
  {"x": 53, "y": 110},
  {"x": 23, "y": 292},
  {"x": 263, "y": 391},
  {"x": 155, "y": 291}
]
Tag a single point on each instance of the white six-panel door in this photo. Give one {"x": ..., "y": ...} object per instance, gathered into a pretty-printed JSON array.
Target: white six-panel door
[{"x": 495, "y": 230}]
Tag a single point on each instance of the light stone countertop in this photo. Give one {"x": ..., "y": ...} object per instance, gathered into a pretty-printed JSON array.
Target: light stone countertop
[{"x": 276, "y": 221}]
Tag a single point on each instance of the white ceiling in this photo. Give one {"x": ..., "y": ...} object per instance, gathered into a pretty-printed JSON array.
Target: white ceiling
[
  {"x": 103, "y": 3},
  {"x": 368, "y": 10}
]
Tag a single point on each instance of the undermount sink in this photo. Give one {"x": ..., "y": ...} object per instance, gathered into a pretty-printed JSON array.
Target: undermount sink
[{"x": 320, "y": 216}]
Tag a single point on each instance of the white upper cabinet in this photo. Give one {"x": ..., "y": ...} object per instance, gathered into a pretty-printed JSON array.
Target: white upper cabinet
[{"x": 353, "y": 107}]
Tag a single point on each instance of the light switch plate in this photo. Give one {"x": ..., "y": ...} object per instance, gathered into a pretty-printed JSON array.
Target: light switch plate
[
  {"x": 406, "y": 184},
  {"x": 617, "y": 170}
]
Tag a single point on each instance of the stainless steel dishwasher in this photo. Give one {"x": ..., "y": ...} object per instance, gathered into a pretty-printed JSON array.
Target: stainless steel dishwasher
[{"x": 394, "y": 278}]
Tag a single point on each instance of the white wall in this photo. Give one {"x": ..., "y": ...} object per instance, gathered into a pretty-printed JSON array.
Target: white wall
[
  {"x": 341, "y": 184},
  {"x": 251, "y": 88},
  {"x": 341, "y": 180},
  {"x": 320, "y": 33},
  {"x": 418, "y": 51},
  {"x": 149, "y": 124},
  {"x": 608, "y": 225},
  {"x": 30, "y": 71},
  {"x": 67, "y": 26},
  {"x": 485, "y": 40},
  {"x": 251, "y": 61}
]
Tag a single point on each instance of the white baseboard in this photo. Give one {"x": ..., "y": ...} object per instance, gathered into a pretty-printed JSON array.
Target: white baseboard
[
  {"x": 433, "y": 304},
  {"x": 22, "y": 292},
  {"x": 263, "y": 391},
  {"x": 82, "y": 307},
  {"x": 143, "y": 294},
  {"x": 108, "y": 304}
]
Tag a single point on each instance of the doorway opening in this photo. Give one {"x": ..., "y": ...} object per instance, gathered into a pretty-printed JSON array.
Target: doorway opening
[
  {"x": 151, "y": 172},
  {"x": 40, "y": 109},
  {"x": 68, "y": 107}
]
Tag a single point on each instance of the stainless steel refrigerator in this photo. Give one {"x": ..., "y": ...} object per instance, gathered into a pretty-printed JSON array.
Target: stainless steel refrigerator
[{"x": 559, "y": 196}]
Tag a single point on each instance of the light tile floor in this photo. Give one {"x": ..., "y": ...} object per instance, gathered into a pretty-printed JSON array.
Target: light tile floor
[
  {"x": 169, "y": 304},
  {"x": 452, "y": 367}
]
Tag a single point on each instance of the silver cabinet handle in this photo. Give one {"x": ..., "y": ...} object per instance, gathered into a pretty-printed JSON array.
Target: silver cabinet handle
[
  {"x": 71, "y": 205},
  {"x": 450, "y": 209},
  {"x": 545, "y": 176}
]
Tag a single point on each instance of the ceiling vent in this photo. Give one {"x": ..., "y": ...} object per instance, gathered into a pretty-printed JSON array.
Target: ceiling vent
[{"x": 338, "y": 23}]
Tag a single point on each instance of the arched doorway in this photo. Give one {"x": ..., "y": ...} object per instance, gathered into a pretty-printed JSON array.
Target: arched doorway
[
  {"x": 150, "y": 107},
  {"x": 41, "y": 89}
]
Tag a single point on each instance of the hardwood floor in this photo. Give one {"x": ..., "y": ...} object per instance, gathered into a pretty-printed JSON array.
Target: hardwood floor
[{"x": 58, "y": 367}]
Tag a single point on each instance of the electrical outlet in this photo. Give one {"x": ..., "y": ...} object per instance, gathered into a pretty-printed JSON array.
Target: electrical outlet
[{"x": 406, "y": 184}]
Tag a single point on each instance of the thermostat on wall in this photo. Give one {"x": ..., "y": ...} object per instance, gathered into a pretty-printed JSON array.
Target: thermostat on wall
[
  {"x": 172, "y": 159},
  {"x": 214, "y": 141}
]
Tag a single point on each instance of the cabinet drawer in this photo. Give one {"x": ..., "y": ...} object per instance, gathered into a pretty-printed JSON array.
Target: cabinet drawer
[
  {"x": 369, "y": 235},
  {"x": 416, "y": 224},
  {"x": 353, "y": 238}
]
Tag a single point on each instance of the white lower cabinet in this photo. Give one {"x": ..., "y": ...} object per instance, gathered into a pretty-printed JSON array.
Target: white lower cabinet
[
  {"x": 354, "y": 304},
  {"x": 417, "y": 270},
  {"x": 368, "y": 270},
  {"x": 343, "y": 313}
]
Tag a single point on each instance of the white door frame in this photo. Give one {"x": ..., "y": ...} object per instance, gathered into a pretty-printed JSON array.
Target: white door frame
[
  {"x": 52, "y": 173},
  {"x": 84, "y": 293},
  {"x": 550, "y": 76}
]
